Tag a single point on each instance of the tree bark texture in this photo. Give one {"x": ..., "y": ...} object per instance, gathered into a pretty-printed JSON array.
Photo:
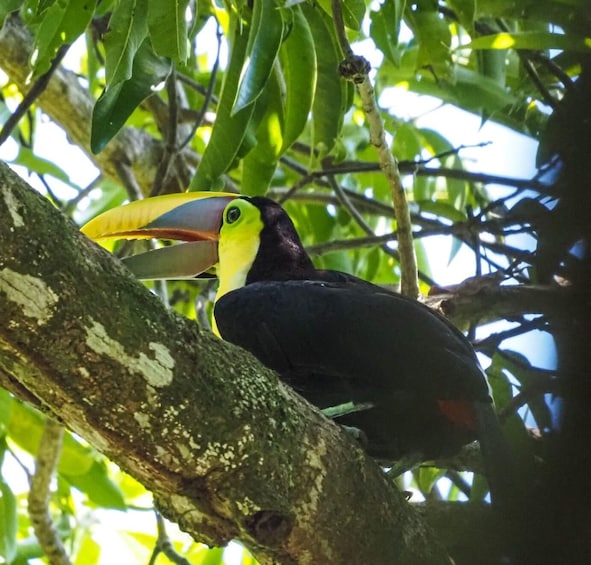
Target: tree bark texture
[{"x": 227, "y": 449}]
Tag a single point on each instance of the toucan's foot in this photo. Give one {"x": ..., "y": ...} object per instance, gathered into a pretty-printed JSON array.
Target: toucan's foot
[
  {"x": 357, "y": 434},
  {"x": 346, "y": 408},
  {"x": 406, "y": 463}
]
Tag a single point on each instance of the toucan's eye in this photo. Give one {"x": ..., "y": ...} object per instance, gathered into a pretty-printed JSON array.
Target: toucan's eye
[{"x": 232, "y": 214}]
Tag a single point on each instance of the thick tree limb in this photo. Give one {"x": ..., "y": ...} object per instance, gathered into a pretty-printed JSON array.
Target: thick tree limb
[
  {"x": 70, "y": 105},
  {"x": 227, "y": 449}
]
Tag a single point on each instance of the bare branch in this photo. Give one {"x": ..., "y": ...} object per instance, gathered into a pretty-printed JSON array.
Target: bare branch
[
  {"x": 34, "y": 93},
  {"x": 164, "y": 545},
  {"x": 50, "y": 448},
  {"x": 356, "y": 68}
]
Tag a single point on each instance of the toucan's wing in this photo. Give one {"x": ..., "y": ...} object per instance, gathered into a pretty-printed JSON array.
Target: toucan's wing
[
  {"x": 349, "y": 342},
  {"x": 372, "y": 339}
]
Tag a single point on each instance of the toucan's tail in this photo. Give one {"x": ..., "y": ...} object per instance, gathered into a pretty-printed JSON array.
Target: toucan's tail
[
  {"x": 506, "y": 489},
  {"x": 499, "y": 462}
]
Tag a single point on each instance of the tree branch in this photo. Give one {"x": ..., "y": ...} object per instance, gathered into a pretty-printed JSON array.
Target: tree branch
[
  {"x": 489, "y": 303},
  {"x": 50, "y": 448},
  {"x": 226, "y": 448},
  {"x": 356, "y": 68}
]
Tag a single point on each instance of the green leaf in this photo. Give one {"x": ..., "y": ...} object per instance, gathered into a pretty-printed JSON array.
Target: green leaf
[
  {"x": 6, "y": 402},
  {"x": 443, "y": 209},
  {"x": 407, "y": 142},
  {"x": 466, "y": 12},
  {"x": 434, "y": 38},
  {"x": 434, "y": 142},
  {"x": 128, "y": 29},
  {"x": 61, "y": 24},
  {"x": 470, "y": 91},
  {"x": 25, "y": 428},
  {"x": 327, "y": 109},
  {"x": 213, "y": 556},
  {"x": 456, "y": 245},
  {"x": 457, "y": 190},
  {"x": 423, "y": 189},
  {"x": 520, "y": 367},
  {"x": 33, "y": 162},
  {"x": 385, "y": 28},
  {"x": 426, "y": 477},
  {"x": 98, "y": 486},
  {"x": 534, "y": 40},
  {"x": 264, "y": 40},
  {"x": 259, "y": 164},
  {"x": 8, "y": 523},
  {"x": 229, "y": 128},
  {"x": 492, "y": 64},
  {"x": 353, "y": 12},
  {"x": 168, "y": 28},
  {"x": 89, "y": 551},
  {"x": 119, "y": 100},
  {"x": 479, "y": 488},
  {"x": 7, "y": 7},
  {"x": 298, "y": 63}
]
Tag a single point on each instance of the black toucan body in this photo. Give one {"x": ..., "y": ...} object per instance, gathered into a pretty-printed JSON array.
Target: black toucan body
[{"x": 400, "y": 372}]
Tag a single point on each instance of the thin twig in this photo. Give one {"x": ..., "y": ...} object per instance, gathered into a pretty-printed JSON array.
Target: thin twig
[
  {"x": 195, "y": 86},
  {"x": 538, "y": 387},
  {"x": 164, "y": 545},
  {"x": 344, "y": 200},
  {"x": 491, "y": 343},
  {"x": 459, "y": 482},
  {"x": 32, "y": 95},
  {"x": 356, "y": 68},
  {"x": 210, "y": 87},
  {"x": 346, "y": 244},
  {"x": 171, "y": 147},
  {"x": 73, "y": 203},
  {"x": 125, "y": 172},
  {"x": 50, "y": 193},
  {"x": 46, "y": 464}
]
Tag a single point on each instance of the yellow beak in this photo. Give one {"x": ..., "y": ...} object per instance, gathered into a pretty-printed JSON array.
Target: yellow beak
[{"x": 194, "y": 217}]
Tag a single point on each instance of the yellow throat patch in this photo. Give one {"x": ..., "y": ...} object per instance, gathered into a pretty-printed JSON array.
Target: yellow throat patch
[{"x": 238, "y": 246}]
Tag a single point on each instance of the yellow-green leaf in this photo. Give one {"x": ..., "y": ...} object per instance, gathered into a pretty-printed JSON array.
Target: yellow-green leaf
[
  {"x": 168, "y": 28},
  {"x": 127, "y": 30},
  {"x": 8, "y": 523},
  {"x": 264, "y": 40},
  {"x": 61, "y": 23},
  {"x": 259, "y": 164},
  {"x": 328, "y": 98},
  {"x": 119, "y": 100},
  {"x": 298, "y": 63},
  {"x": 535, "y": 40},
  {"x": 229, "y": 128}
]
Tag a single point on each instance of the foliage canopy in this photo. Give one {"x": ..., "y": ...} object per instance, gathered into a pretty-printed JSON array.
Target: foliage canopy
[{"x": 247, "y": 96}]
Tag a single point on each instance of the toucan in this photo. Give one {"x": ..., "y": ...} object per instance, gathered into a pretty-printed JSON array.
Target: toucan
[{"x": 378, "y": 362}]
